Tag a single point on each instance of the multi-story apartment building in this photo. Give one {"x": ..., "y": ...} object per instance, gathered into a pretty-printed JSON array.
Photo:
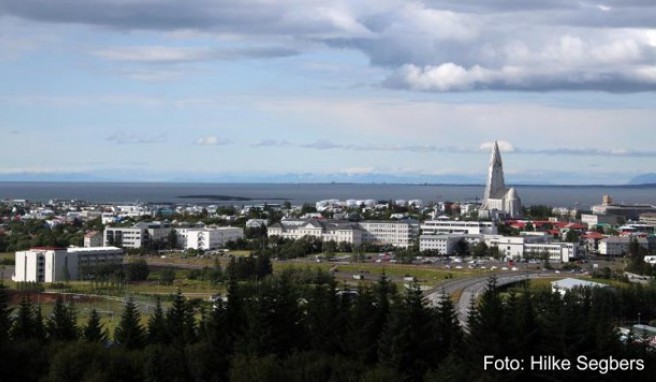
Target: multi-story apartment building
[
  {"x": 208, "y": 238},
  {"x": 138, "y": 235},
  {"x": 516, "y": 247},
  {"x": 50, "y": 264},
  {"x": 395, "y": 233},
  {"x": 445, "y": 244},
  {"x": 557, "y": 252},
  {"x": 619, "y": 245},
  {"x": 438, "y": 227}
]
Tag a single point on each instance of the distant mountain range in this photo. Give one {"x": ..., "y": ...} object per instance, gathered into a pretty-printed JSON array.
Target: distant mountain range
[
  {"x": 644, "y": 179},
  {"x": 375, "y": 178}
]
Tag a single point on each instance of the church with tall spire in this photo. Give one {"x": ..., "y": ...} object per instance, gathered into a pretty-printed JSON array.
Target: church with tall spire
[{"x": 499, "y": 200}]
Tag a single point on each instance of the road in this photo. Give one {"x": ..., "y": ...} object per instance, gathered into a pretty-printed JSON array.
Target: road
[{"x": 471, "y": 287}]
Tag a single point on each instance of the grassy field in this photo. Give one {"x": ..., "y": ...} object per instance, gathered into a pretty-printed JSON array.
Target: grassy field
[{"x": 7, "y": 258}]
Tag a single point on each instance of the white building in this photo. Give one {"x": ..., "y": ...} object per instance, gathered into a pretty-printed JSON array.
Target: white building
[
  {"x": 592, "y": 220},
  {"x": 211, "y": 238},
  {"x": 138, "y": 235},
  {"x": 619, "y": 245},
  {"x": 58, "y": 264},
  {"x": 325, "y": 230},
  {"x": 445, "y": 244},
  {"x": 93, "y": 239},
  {"x": 436, "y": 227},
  {"x": 395, "y": 233},
  {"x": 564, "y": 285},
  {"x": 510, "y": 246},
  {"x": 497, "y": 198},
  {"x": 558, "y": 252},
  {"x": 256, "y": 223}
]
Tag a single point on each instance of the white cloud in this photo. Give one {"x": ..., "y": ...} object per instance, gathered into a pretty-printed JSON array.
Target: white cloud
[
  {"x": 123, "y": 137},
  {"x": 212, "y": 141},
  {"x": 439, "y": 45},
  {"x": 503, "y": 146},
  {"x": 166, "y": 54}
]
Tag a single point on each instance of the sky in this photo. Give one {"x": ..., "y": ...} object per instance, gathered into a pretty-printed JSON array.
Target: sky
[{"x": 321, "y": 90}]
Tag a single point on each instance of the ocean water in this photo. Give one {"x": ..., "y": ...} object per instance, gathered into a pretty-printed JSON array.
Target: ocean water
[{"x": 561, "y": 196}]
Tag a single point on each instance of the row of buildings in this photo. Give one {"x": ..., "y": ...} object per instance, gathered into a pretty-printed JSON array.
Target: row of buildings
[
  {"x": 437, "y": 235},
  {"x": 199, "y": 237}
]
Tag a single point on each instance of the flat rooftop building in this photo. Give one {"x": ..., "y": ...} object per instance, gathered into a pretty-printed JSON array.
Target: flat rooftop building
[{"x": 52, "y": 264}]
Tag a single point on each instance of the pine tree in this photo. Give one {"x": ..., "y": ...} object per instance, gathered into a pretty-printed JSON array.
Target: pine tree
[
  {"x": 5, "y": 315},
  {"x": 263, "y": 266},
  {"x": 157, "y": 332},
  {"x": 370, "y": 314},
  {"x": 62, "y": 324},
  {"x": 409, "y": 343},
  {"x": 23, "y": 326},
  {"x": 129, "y": 333},
  {"x": 486, "y": 324},
  {"x": 448, "y": 327},
  {"x": 39, "y": 327},
  {"x": 94, "y": 332},
  {"x": 180, "y": 323}
]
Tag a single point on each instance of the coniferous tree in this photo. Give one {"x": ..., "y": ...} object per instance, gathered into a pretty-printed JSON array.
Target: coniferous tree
[
  {"x": 23, "y": 325},
  {"x": 450, "y": 335},
  {"x": 219, "y": 342},
  {"x": 62, "y": 324},
  {"x": 235, "y": 317},
  {"x": 322, "y": 310},
  {"x": 263, "y": 266},
  {"x": 93, "y": 331},
  {"x": 129, "y": 333},
  {"x": 157, "y": 331},
  {"x": 39, "y": 326},
  {"x": 5, "y": 315},
  {"x": 409, "y": 344},
  {"x": 180, "y": 322}
]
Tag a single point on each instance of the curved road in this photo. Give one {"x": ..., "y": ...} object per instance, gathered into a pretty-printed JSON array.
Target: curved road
[{"x": 471, "y": 287}]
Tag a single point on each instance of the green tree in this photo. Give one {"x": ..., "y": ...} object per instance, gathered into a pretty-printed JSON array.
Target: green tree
[
  {"x": 93, "y": 331},
  {"x": 480, "y": 249},
  {"x": 167, "y": 276},
  {"x": 157, "y": 331},
  {"x": 450, "y": 334},
  {"x": 263, "y": 266},
  {"x": 62, "y": 324},
  {"x": 137, "y": 270},
  {"x": 24, "y": 325},
  {"x": 129, "y": 333},
  {"x": 180, "y": 322},
  {"x": 5, "y": 315},
  {"x": 408, "y": 344},
  {"x": 461, "y": 248},
  {"x": 486, "y": 321},
  {"x": 172, "y": 239}
]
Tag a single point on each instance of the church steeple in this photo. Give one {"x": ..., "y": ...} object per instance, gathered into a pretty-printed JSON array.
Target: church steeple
[
  {"x": 497, "y": 197},
  {"x": 495, "y": 181}
]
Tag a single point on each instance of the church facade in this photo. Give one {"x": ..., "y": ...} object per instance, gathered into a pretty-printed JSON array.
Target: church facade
[{"x": 499, "y": 201}]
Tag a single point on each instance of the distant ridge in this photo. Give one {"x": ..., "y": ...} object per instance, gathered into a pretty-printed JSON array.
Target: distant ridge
[{"x": 642, "y": 180}]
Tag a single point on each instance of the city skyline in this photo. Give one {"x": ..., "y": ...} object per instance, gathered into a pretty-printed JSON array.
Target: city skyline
[{"x": 394, "y": 91}]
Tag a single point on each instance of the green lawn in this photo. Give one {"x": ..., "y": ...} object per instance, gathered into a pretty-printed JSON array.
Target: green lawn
[{"x": 7, "y": 258}]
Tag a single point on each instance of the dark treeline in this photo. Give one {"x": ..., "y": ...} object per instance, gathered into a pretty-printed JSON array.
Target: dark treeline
[{"x": 296, "y": 326}]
